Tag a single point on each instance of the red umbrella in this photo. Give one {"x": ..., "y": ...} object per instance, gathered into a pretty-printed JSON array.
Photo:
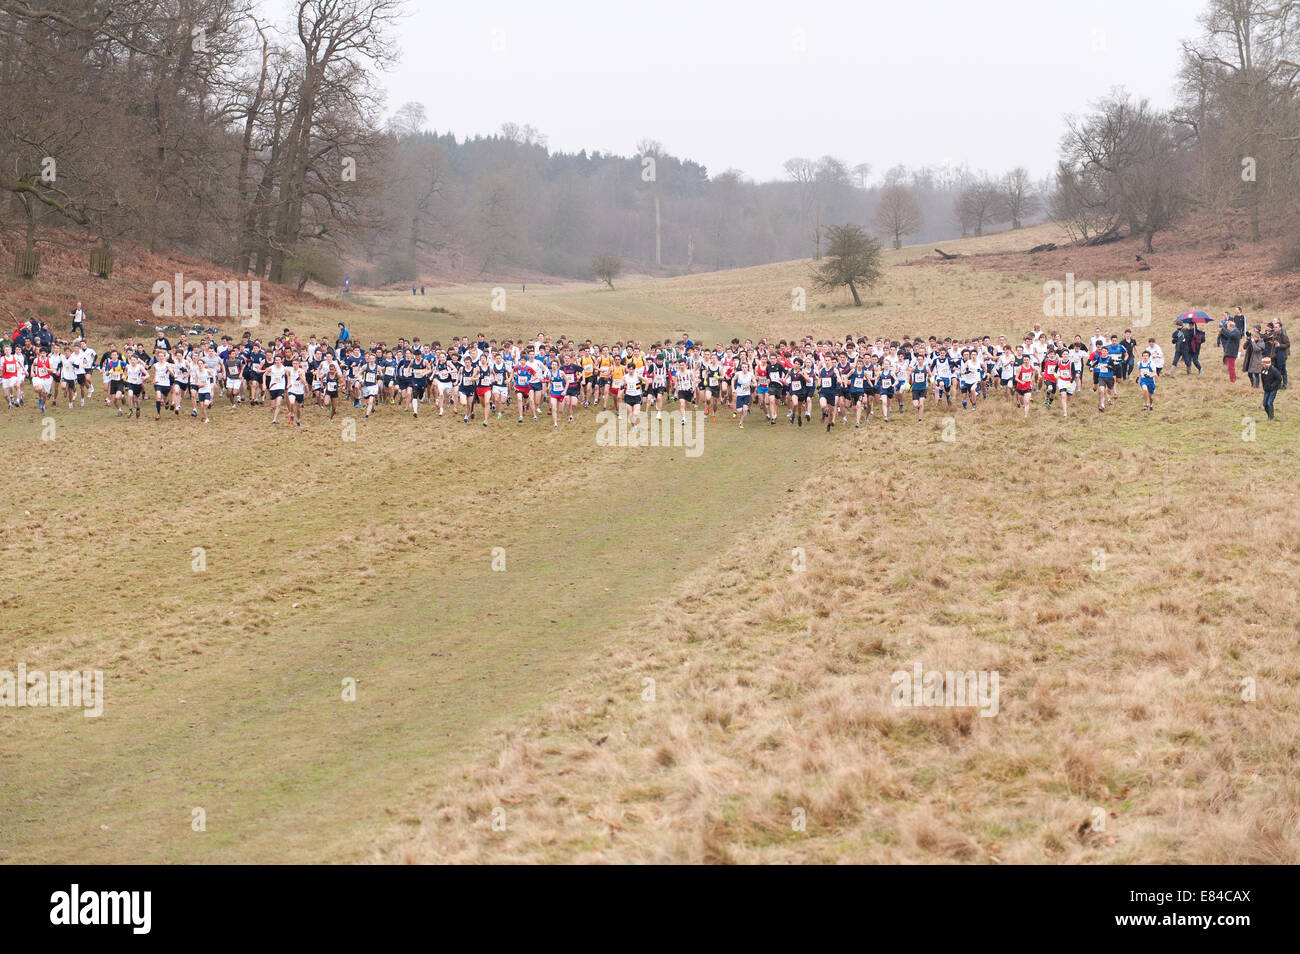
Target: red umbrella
[{"x": 1195, "y": 316}]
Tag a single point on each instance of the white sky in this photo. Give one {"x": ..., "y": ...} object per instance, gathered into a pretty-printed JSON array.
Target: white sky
[{"x": 981, "y": 81}]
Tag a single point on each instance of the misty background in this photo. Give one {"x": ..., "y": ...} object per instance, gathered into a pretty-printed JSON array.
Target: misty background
[{"x": 302, "y": 140}]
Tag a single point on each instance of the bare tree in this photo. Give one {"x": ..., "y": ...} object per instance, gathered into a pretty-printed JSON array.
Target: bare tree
[
  {"x": 977, "y": 205},
  {"x": 1081, "y": 204},
  {"x": 804, "y": 173},
  {"x": 1240, "y": 91},
  {"x": 1135, "y": 159},
  {"x": 655, "y": 151},
  {"x": 898, "y": 214},
  {"x": 1017, "y": 196},
  {"x": 339, "y": 40}
]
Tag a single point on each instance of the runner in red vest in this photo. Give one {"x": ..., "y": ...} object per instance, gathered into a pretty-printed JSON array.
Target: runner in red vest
[{"x": 1024, "y": 384}]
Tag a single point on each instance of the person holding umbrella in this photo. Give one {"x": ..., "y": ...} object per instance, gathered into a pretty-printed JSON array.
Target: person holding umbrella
[{"x": 1187, "y": 345}]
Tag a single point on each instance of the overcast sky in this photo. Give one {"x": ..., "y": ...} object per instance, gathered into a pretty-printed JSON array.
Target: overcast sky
[{"x": 748, "y": 85}]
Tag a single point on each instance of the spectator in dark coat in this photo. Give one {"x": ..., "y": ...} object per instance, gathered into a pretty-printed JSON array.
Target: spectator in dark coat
[
  {"x": 1230, "y": 342},
  {"x": 1252, "y": 354},
  {"x": 1281, "y": 348},
  {"x": 1184, "y": 342},
  {"x": 1179, "y": 341},
  {"x": 1270, "y": 379}
]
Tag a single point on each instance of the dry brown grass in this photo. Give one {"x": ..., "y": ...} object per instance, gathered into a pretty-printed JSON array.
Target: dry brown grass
[{"x": 1120, "y": 688}]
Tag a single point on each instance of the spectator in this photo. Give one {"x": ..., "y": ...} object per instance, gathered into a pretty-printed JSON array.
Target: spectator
[
  {"x": 1281, "y": 348},
  {"x": 1196, "y": 338},
  {"x": 1252, "y": 354},
  {"x": 78, "y": 322},
  {"x": 1270, "y": 379},
  {"x": 344, "y": 335},
  {"x": 1230, "y": 342},
  {"x": 1181, "y": 341}
]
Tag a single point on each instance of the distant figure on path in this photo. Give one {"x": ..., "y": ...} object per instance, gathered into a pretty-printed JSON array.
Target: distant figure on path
[{"x": 78, "y": 322}]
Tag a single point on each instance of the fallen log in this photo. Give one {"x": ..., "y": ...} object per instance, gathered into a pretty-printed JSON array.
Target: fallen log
[
  {"x": 1105, "y": 238},
  {"x": 1045, "y": 247},
  {"x": 943, "y": 254}
]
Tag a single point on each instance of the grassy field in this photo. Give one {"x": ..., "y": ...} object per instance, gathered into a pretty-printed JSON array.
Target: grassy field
[{"x": 1123, "y": 573}]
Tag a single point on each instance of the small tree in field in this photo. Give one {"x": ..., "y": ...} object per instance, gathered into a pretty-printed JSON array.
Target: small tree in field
[
  {"x": 852, "y": 258},
  {"x": 606, "y": 268}
]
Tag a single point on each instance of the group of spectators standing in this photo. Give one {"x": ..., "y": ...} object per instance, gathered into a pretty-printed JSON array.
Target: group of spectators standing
[{"x": 1262, "y": 350}]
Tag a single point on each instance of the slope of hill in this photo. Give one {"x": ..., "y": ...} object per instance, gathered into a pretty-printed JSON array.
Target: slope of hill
[
  {"x": 125, "y": 300},
  {"x": 1207, "y": 261}
]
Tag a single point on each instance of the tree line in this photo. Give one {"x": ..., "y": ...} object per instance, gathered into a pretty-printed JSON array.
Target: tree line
[
  {"x": 201, "y": 126},
  {"x": 1230, "y": 142},
  {"x": 195, "y": 124}
]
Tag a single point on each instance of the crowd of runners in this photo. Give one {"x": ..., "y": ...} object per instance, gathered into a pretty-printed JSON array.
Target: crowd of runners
[{"x": 792, "y": 382}]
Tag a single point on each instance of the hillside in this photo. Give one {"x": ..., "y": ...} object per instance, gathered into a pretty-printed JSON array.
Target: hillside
[
  {"x": 1207, "y": 261},
  {"x": 117, "y": 305}
]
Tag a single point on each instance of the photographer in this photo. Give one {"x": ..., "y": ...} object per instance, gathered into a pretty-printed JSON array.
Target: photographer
[
  {"x": 1281, "y": 348},
  {"x": 1252, "y": 354}
]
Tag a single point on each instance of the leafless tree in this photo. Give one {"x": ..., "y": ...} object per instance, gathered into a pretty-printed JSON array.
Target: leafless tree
[
  {"x": 978, "y": 205},
  {"x": 1241, "y": 102},
  {"x": 897, "y": 214},
  {"x": 1018, "y": 196},
  {"x": 1135, "y": 158}
]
